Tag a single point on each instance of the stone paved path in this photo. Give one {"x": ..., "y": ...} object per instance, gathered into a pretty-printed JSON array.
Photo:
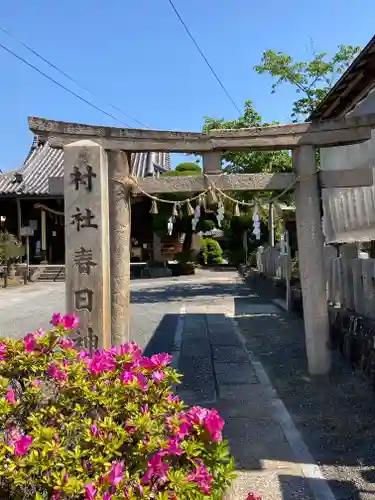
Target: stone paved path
[
  {"x": 219, "y": 373},
  {"x": 334, "y": 414}
]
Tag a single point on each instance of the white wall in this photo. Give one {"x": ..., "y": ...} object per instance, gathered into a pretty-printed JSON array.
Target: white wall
[{"x": 349, "y": 214}]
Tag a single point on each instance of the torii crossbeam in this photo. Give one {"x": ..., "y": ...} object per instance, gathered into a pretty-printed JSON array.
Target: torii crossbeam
[{"x": 97, "y": 213}]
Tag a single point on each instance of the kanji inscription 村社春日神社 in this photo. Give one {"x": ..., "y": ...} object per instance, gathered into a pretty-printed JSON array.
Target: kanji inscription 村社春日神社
[
  {"x": 83, "y": 260},
  {"x": 90, "y": 341},
  {"x": 85, "y": 179},
  {"x": 82, "y": 220},
  {"x": 83, "y": 299}
]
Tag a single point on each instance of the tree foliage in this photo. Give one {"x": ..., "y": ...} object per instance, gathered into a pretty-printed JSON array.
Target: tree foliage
[
  {"x": 312, "y": 79},
  {"x": 249, "y": 162}
]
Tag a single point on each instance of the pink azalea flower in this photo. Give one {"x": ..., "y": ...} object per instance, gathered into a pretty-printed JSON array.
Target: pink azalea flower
[
  {"x": 11, "y": 397},
  {"x": 90, "y": 492},
  {"x": 84, "y": 356},
  {"x": 30, "y": 342},
  {"x": 157, "y": 469},
  {"x": 3, "y": 350},
  {"x": 214, "y": 424},
  {"x": 116, "y": 474},
  {"x": 56, "y": 319},
  {"x": 172, "y": 448},
  {"x": 35, "y": 383},
  {"x": 94, "y": 430},
  {"x": 127, "y": 377},
  {"x": 22, "y": 445},
  {"x": 70, "y": 321},
  {"x": 130, "y": 348},
  {"x": 55, "y": 372},
  {"x": 173, "y": 399},
  {"x": 202, "y": 478},
  {"x": 208, "y": 419},
  {"x": 253, "y": 496},
  {"x": 66, "y": 343},
  {"x": 156, "y": 361},
  {"x": 142, "y": 381},
  {"x": 158, "y": 376},
  {"x": 107, "y": 496},
  {"x": 102, "y": 362},
  {"x": 56, "y": 495}
]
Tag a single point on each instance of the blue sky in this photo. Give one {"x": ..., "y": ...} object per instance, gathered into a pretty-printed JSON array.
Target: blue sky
[{"x": 135, "y": 55}]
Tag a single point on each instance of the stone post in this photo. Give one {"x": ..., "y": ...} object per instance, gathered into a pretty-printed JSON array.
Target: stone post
[
  {"x": 44, "y": 235},
  {"x": 87, "y": 242},
  {"x": 119, "y": 230},
  {"x": 311, "y": 261},
  {"x": 212, "y": 162}
]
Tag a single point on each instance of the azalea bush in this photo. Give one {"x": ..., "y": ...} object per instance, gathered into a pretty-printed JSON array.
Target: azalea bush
[{"x": 101, "y": 426}]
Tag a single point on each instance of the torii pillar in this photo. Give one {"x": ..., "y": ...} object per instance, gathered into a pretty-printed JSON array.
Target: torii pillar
[{"x": 311, "y": 260}]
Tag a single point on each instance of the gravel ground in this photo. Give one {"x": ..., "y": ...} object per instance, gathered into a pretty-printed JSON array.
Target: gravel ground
[{"x": 334, "y": 414}]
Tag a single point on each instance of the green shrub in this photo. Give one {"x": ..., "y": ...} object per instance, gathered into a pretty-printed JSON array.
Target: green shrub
[
  {"x": 212, "y": 252},
  {"x": 101, "y": 427}
]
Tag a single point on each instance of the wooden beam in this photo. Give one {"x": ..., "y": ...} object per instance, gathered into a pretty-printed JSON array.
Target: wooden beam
[
  {"x": 233, "y": 182},
  {"x": 357, "y": 177},
  {"x": 320, "y": 134}
]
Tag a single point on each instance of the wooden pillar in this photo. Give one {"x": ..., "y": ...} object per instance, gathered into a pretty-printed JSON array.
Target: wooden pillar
[
  {"x": 119, "y": 230},
  {"x": 271, "y": 225},
  {"x": 311, "y": 261},
  {"x": 44, "y": 235},
  {"x": 19, "y": 218},
  {"x": 87, "y": 241}
]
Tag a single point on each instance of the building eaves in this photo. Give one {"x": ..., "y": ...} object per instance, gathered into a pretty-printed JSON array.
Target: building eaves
[
  {"x": 351, "y": 88},
  {"x": 44, "y": 162}
]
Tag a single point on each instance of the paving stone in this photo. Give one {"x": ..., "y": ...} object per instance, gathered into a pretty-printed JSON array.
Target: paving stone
[
  {"x": 197, "y": 348},
  {"x": 284, "y": 483},
  {"x": 224, "y": 338},
  {"x": 234, "y": 373},
  {"x": 233, "y": 354},
  {"x": 198, "y": 377},
  {"x": 254, "y": 440}
]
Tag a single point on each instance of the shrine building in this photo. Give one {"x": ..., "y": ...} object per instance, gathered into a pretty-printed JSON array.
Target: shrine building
[{"x": 32, "y": 196}]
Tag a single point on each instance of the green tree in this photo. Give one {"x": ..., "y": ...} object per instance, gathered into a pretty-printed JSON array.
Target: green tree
[
  {"x": 182, "y": 224},
  {"x": 249, "y": 162},
  {"x": 11, "y": 249},
  {"x": 311, "y": 79}
]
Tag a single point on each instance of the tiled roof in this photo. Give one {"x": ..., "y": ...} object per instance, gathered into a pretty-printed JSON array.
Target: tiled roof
[{"x": 44, "y": 162}]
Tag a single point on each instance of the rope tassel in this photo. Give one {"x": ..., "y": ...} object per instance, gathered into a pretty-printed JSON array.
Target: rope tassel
[
  {"x": 154, "y": 208},
  {"x": 174, "y": 210},
  {"x": 189, "y": 208}
]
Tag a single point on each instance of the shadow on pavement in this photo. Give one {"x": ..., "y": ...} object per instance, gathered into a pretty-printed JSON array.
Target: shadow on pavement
[
  {"x": 172, "y": 292},
  {"x": 334, "y": 414}
]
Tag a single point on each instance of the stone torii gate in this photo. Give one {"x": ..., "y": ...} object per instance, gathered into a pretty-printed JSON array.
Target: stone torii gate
[{"x": 98, "y": 190}]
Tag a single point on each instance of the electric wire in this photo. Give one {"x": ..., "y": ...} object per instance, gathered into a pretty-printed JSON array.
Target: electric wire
[
  {"x": 62, "y": 72},
  {"x": 203, "y": 55},
  {"x": 59, "y": 84}
]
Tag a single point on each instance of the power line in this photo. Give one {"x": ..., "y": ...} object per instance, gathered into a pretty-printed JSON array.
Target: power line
[
  {"x": 60, "y": 84},
  {"x": 202, "y": 54},
  {"x": 52, "y": 65}
]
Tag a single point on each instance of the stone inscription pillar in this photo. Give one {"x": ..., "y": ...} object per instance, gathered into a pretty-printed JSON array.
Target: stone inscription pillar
[
  {"x": 311, "y": 261},
  {"x": 87, "y": 242},
  {"x": 120, "y": 222}
]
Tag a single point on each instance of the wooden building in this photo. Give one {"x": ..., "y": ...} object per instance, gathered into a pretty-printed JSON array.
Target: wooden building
[
  {"x": 349, "y": 214},
  {"x": 32, "y": 196}
]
